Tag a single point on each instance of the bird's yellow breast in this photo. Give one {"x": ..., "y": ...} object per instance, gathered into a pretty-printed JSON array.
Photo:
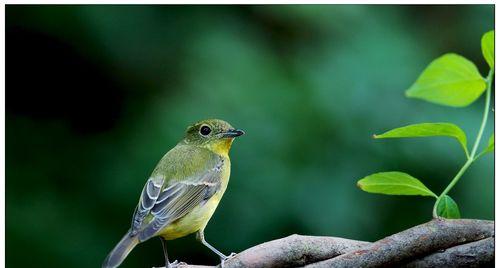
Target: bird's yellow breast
[{"x": 201, "y": 214}]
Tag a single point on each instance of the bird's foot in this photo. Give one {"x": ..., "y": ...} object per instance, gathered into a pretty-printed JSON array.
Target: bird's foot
[
  {"x": 177, "y": 264},
  {"x": 223, "y": 260},
  {"x": 174, "y": 264},
  {"x": 231, "y": 255}
]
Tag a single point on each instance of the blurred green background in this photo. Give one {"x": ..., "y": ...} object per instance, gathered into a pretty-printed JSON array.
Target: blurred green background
[{"x": 97, "y": 94}]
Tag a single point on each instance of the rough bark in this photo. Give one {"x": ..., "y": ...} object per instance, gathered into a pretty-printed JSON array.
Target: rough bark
[
  {"x": 413, "y": 243},
  {"x": 445, "y": 243},
  {"x": 294, "y": 250},
  {"x": 475, "y": 254}
]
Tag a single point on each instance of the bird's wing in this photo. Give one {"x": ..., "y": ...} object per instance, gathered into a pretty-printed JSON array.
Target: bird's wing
[
  {"x": 149, "y": 195},
  {"x": 176, "y": 200}
]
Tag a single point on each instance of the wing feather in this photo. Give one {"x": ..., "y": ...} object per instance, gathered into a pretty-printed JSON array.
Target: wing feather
[
  {"x": 147, "y": 201},
  {"x": 179, "y": 198}
]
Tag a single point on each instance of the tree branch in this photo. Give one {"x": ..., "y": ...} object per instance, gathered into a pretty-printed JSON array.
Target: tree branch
[
  {"x": 294, "y": 250},
  {"x": 413, "y": 243},
  {"x": 474, "y": 254},
  {"x": 454, "y": 243}
]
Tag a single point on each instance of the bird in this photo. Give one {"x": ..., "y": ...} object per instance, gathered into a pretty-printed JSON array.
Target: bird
[{"x": 183, "y": 191}]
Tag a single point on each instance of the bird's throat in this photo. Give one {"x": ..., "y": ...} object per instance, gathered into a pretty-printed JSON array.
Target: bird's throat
[{"x": 221, "y": 147}]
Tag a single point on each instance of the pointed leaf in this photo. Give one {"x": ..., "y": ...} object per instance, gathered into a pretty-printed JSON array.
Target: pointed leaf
[
  {"x": 488, "y": 48},
  {"x": 491, "y": 144},
  {"x": 447, "y": 208},
  {"x": 394, "y": 183},
  {"x": 427, "y": 130},
  {"x": 450, "y": 80},
  {"x": 490, "y": 147}
]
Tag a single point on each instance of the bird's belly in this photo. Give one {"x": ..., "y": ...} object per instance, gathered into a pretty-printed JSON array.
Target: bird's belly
[{"x": 193, "y": 221}]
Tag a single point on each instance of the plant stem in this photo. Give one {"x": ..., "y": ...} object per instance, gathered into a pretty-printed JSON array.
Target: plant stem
[
  {"x": 485, "y": 114},
  {"x": 471, "y": 157}
]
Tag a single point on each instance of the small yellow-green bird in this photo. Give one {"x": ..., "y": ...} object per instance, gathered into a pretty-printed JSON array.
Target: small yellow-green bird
[{"x": 183, "y": 191}]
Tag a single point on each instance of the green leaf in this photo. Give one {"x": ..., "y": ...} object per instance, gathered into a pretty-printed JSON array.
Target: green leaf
[
  {"x": 491, "y": 144},
  {"x": 450, "y": 80},
  {"x": 428, "y": 130},
  {"x": 447, "y": 208},
  {"x": 394, "y": 183},
  {"x": 490, "y": 147},
  {"x": 488, "y": 48}
]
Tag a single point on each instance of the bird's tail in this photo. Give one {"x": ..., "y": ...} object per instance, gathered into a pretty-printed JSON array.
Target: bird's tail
[{"x": 121, "y": 250}]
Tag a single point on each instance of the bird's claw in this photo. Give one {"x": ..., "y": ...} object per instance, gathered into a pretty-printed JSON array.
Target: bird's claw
[
  {"x": 173, "y": 264},
  {"x": 223, "y": 260}
]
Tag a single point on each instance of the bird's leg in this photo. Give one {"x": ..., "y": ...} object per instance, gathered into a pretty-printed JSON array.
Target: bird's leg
[
  {"x": 167, "y": 263},
  {"x": 165, "y": 254},
  {"x": 201, "y": 236}
]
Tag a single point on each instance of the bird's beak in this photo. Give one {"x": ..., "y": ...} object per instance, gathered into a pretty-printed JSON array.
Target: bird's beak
[{"x": 233, "y": 133}]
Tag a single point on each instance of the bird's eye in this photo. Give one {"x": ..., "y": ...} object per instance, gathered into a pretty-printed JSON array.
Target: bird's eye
[{"x": 205, "y": 130}]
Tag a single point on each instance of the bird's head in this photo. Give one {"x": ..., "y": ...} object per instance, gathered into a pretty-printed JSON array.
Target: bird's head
[{"x": 213, "y": 134}]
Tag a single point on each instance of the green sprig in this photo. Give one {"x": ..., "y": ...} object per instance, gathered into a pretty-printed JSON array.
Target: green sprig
[{"x": 450, "y": 80}]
